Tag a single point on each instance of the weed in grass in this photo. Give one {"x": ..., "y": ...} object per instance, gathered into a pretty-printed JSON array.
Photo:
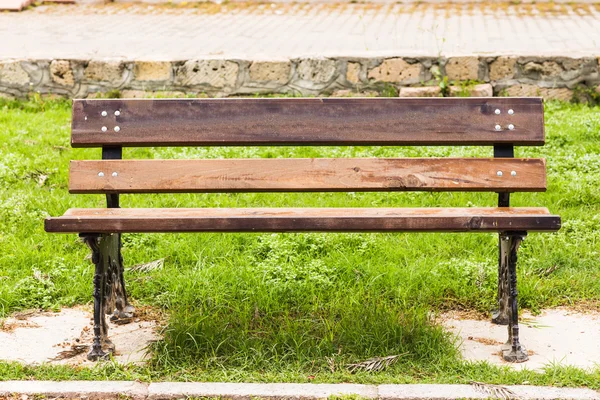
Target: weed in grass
[{"x": 261, "y": 307}]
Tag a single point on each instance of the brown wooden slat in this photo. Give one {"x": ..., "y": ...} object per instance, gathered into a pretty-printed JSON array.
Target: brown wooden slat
[
  {"x": 330, "y": 121},
  {"x": 304, "y": 220},
  {"x": 305, "y": 175}
]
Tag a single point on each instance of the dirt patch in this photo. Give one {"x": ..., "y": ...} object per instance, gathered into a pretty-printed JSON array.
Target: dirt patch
[
  {"x": 65, "y": 337},
  {"x": 557, "y": 336},
  {"x": 486, "y": 341}
]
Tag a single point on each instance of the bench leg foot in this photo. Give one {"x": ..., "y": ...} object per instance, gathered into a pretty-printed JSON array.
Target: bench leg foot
[
  {"x": 109, "y": 290},
  {"x": 501, "y": 315},
  {"x": 513, "y": 351}
]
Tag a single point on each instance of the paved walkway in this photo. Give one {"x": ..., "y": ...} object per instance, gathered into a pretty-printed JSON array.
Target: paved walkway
[{"x": 160, "y": 32}]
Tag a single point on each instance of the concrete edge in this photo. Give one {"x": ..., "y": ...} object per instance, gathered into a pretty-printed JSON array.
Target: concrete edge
[
  {"x": 76, "y": 389},
  {"x": 305, "y": 391}
]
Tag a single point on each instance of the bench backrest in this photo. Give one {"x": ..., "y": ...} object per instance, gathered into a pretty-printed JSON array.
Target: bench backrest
[{"x": 499, "y": 122}]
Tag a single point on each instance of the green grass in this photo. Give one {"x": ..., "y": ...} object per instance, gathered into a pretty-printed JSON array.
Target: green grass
[{"x": 286, "y": 307}]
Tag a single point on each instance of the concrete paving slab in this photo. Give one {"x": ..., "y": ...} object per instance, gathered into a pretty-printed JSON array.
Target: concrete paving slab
[
  {"x": 556, "y": 336},
  {"x": 41, "y": 337}
]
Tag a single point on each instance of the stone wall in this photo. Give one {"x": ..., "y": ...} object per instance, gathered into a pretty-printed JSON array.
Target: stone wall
[{"x": 551, "y": 77}]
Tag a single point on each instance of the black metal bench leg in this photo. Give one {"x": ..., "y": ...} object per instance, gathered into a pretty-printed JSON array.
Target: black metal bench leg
[
  {"x": 109, "y": 290},
  {"x": 94, "y": 242},
  {"x": 123, "y": 309},
  {"x": 501, "y": 314},
  {"x": 513, "y": 351}
]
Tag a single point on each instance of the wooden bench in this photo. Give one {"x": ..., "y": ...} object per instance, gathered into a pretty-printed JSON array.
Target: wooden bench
[{"x": 501, "y": 123}]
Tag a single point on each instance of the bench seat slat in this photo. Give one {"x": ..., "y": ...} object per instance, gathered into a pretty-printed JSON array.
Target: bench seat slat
[
  {"x": 321, "y": 174},
  {"x": 308, "y": 122},
  {"x": 126, "y": 220}
]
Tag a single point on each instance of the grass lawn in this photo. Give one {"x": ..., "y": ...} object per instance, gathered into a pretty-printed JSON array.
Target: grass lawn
[{"x": 299, "y": 307}]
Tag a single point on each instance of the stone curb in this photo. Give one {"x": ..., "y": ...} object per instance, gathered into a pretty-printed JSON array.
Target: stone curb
[
  {"x": 273, "y": 391},
  {"x": 75, "y": 389},
  {"x": 238, "y": 391}
]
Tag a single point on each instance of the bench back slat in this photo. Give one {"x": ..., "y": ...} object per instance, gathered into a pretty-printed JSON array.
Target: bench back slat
[
  {"x": 289, "y": 121},
  {"x": 297, "y": 175}
]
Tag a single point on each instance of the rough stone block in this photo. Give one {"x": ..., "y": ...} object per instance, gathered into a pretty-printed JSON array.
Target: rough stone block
[
  {"x": 134, "y": 94},
  {"x": 398, "y": 71},
  {"x": 427, "y": 91},
  {"x": 598, "y": 89},
  {"x": 523, "y": 90},
  {"x": 13, "y": 74},
  {"x": 462, "y": 68},
  {"x": 214, "y": 73},
  {"x": 153, "y": 71},
  {"x": 270, "y": 71},
  {"x": 105, "y": 71},
  {"x": 482, "y": 90},
  {"x": 573, "y": 63},
  {"x": 342, "y": 93},
  {"x": 62, "y": 73},
  {"x": 545, "y": 69},
  {"x": 317, "y": 70},
  {"x": 141, "y": 94},
  {"x": 351, "y": 93},
  {"x": 576, "y": 68},
  {"x": 503, "y": 68},
  {"x": 353, "y": 73},
  {"x": 526, "y": 90},
  {"x": 570, "y": 64},
  {"x": 170, "y": 94}
]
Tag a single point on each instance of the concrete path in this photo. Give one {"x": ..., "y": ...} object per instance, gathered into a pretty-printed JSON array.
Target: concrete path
[
  {"x": 273, "y": 391},
  {"x": 267, "y": 31}
]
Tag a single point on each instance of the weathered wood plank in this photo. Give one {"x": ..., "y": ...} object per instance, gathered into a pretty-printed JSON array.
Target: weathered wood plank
[
  {"x": 305, "y": 175},
  {"x": 304, "y": 220},
  {"x": 329, "y": 121}
]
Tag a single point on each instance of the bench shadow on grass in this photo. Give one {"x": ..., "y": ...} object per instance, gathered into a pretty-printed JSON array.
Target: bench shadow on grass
[{"x": 312, "y": 302}]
